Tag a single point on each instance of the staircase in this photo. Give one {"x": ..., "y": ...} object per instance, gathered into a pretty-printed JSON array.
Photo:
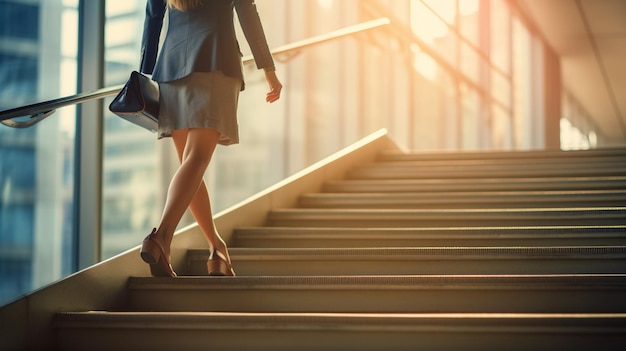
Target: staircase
[{"x": 433, "y": 251}]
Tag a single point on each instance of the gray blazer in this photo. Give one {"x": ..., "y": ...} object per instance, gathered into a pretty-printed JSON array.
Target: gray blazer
[{"x": 201, "y": 40}]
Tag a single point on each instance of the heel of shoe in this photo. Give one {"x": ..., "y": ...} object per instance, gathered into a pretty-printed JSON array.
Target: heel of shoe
[
  {"x": 218, "y": 266},
  {"x": 153, "y": 254},
  {"x": 150, "y": 252}
]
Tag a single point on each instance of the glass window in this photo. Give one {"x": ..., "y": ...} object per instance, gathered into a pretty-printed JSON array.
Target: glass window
[
  {"x": 19, "y": 73},
  {"x": 27, "y": 13},
  {"x": 522, "y": 80},
  {"x": 435, "y": 104},
  {"x": 469, "y": 20},
  {"x": 425, "y": 23},
  {"x": 470, "y": 63},
  {"x": 433, "y": 30},
  {"x": 501, "y": 88},
  {"x": 502, "y": 138},
  {"x": 134, "y": 166},
  {"x": 500, "y": 35},
  {"x": 424, "y": 64},
  {"x": 471, "y": 118},
  {"x": 445, "y": 9},
  {"x": 37, "y": 63}
]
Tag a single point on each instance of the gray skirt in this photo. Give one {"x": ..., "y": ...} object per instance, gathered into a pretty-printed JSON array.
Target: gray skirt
[{"x": 200, "y": 100}]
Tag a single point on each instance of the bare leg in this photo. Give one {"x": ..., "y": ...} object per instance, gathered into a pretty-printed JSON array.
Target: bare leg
[
  {"x": 196, "y": 154},
  {"x": 200, "y": 208}
]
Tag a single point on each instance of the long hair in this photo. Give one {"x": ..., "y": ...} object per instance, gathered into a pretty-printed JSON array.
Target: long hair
[{"x": 183, "y": 5}]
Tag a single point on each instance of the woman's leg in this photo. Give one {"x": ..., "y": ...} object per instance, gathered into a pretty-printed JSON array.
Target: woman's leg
[
  {"x": 199, "y": 145},
  {"x": 200, "y": 208}
]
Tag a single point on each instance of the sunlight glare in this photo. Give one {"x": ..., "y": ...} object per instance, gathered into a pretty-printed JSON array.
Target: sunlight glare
[
  {"x": 327, "y": 4},
  {"x": 445, "y": 9},
  {"x": 426, "y": 24},
  {"x": 468, "y": 7},
  {"x": 424, "y": 64}
]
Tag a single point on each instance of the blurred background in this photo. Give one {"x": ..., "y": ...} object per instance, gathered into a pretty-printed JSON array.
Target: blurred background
[{"x": 443, "y": 75}]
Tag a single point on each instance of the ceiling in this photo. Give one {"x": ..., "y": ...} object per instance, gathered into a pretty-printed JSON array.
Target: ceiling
[{"x": 590, "y": 38}]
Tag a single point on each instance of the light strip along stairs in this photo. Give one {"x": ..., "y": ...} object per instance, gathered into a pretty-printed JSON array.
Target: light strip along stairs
[{"x": 441, "y": 251}]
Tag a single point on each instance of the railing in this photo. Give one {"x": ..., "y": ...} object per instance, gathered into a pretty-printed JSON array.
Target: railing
[{"x": 39, "y": 111}]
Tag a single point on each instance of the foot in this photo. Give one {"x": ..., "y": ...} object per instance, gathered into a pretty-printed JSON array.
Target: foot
[
  {"x": 153, "y": 253},
  {"x": 219, "y": 265}
]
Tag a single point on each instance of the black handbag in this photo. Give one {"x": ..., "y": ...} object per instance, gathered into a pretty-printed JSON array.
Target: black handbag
[{"x": 138, "y": 102}]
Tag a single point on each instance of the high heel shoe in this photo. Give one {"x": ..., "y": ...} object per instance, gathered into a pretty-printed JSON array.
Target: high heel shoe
[
  {"x": 153, "y": 254},
  {"x": 218, "y": 265}
]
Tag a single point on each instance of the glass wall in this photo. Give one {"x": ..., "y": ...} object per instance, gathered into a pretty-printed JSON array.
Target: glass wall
[
  {"x": 473, "y": 41},
  {"x": 132, "y": 192},
  {"x": 38, "y": 50}
]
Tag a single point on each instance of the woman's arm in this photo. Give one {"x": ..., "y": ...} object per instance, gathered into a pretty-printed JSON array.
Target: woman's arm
[
  {"x": 253, "y": 30},
  {"x": 275, "y": 86},
  {"x": 155, "y": 11}
]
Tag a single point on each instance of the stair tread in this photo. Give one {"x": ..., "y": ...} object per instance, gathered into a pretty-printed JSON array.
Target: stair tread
[
  {"x": 471, "y": 211},
  {"x": 431, "y": 328},
  {"x": 491, "y": 180},
  {"x": 483, "y": 213},
  {"x": 428, "y": 236},
  {"x": 428, "y": 217},
  {"x": 382, "y": 171},
  {"x": 436, "y": 232},
  {"x": 567, "y": 194},
  {"x": 104, "y": 319},
  {"x": 505, "y": 155},
  {"x": 476, "y": 184},
  {"x": 417, "y": 253},
  {"x": 608, "y": 161},
  {"x": 496, "y": 192},
  {"x": 331, "y": 331},
  {"x": 545, "y": 293},
  {"x": 463, "y": 199},
  {"x": 387, "y": 282}
]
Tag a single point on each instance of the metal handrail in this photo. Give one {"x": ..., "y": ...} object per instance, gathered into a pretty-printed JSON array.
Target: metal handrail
[{"x": 41, "y": 110}]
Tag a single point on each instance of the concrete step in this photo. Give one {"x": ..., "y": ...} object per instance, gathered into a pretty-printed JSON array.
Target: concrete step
[
  {"x": 495, "y": 199},
  {"x": 503, "y": 157},
  {"x": 339, "y": 331},
  {"x": 377, "y": 218},
  {"x": 328, "y": 237},
  {"x": 424, "y": 260},
  {"x": 574, "y": 162},
  {"x": 418, "y": 171},
  {"x": 476, "y": 185},
  {"x": 575, "y": 293}
]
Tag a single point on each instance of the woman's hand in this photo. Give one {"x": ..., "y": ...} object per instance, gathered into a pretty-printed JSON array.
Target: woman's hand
[{"x": 275, "y": 86}]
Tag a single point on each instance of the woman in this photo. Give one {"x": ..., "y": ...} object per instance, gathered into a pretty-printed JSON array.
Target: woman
[{"x": 200, "y": 76}]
